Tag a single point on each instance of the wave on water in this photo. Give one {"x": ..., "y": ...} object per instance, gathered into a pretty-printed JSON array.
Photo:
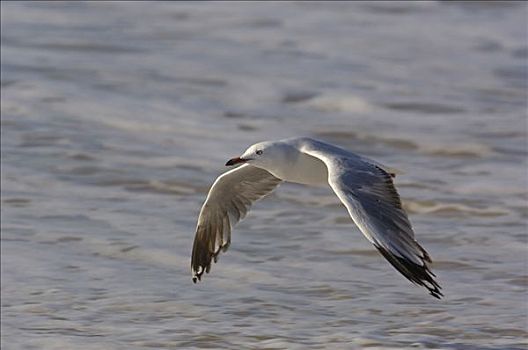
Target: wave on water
[
  {"x": 450, "y": 209},
  {"x": 340, "y": 103},
  {"x": 431, "y": 148}
]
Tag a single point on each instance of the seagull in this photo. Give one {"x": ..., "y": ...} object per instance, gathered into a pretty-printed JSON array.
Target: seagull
[{"x": 364, "y": 186}]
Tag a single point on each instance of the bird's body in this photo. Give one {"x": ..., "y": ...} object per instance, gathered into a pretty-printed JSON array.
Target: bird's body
[
  {"x": 300, "y": 168},
  {"x": 364, "y": 186}
]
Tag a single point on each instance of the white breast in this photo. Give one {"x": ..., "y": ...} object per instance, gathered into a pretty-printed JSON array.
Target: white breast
[{"x": 304, "y": 169}]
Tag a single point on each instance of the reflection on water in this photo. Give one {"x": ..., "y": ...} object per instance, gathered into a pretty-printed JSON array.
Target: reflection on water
[{"x": 116, "y": 120}]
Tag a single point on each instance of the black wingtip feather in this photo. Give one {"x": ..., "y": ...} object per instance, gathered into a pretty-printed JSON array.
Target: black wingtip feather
[
  {"x": 417, "y": 274},
  {"x": 202, "y": 259}
]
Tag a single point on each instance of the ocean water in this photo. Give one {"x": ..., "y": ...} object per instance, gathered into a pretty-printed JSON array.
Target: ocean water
[{"x": 117, "y": 117}]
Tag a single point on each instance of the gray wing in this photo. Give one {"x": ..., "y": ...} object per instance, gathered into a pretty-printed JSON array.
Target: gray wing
[
  {"x": 228, "y": 201},
  {"x": 368, "y": 193}
]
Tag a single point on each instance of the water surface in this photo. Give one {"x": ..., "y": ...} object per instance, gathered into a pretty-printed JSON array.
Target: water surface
[{"x": 116, "y": 119}]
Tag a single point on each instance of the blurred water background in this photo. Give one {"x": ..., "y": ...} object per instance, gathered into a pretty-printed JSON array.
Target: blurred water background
[{"x": 117, "y": 117}]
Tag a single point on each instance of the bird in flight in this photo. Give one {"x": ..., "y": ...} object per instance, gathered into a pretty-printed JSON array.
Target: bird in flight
[{"x": 364, "y": 187}]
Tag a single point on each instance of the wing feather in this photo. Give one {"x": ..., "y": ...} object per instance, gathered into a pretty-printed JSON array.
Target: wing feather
[
  {"x": 228, "y": 202},
  {"x": 368, "y": 193}
]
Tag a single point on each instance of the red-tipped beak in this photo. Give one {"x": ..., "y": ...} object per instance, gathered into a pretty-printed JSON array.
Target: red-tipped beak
[{"x": 236, "y": 160}]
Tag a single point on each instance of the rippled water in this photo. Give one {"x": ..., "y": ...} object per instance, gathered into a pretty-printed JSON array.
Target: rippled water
[{"x": 117, "y": 117}]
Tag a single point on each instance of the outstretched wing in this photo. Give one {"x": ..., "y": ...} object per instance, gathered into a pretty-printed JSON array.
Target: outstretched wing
[
  {"x": 228, "y": 201},
  {"x": 368, "y": 193}
]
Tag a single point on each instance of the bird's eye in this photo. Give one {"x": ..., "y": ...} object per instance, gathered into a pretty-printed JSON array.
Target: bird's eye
[{"x": 259, "y": 152}]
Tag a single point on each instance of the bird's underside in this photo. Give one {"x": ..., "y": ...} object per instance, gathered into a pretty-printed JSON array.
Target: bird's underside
[{"x": 366, "y": 190}]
